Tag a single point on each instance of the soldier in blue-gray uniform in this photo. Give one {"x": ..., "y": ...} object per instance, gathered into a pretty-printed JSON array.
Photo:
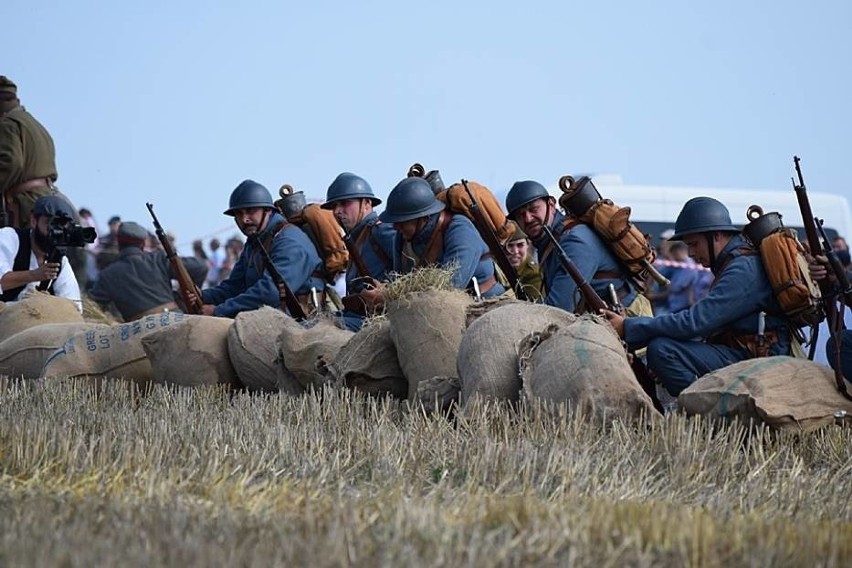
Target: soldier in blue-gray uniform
[
  {"x": 820, "y": 269},
  {"x": 139, "y": 283},
  {"x": 532, "y": 208},
  {"x": 724, "y": 327},
  {"x": 432, "y": 236},
  {"x": 369, "y": 241},
  {"x": 249, "y": 285}
]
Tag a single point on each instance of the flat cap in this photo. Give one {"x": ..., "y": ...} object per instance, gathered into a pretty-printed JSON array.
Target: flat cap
[
  {"x": 54, "y": 206},
  {"x": 130, "y": 233}
]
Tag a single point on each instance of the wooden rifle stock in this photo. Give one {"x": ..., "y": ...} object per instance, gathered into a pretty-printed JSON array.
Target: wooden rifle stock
[
  {"x": 487, "y": 231},
  {"x": 289, "y": 302},
  {"x": 185, "y": 283},
  {"x": 591, "y": 297}
]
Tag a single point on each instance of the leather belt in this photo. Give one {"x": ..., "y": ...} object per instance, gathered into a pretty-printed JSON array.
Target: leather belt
[
  {"x": 484, "y": 286},
  {"x": 308, "y": 305},
  {"x": 167, "y": 307}
]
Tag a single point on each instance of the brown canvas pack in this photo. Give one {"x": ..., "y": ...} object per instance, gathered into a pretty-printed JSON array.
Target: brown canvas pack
[
  {"x": 327, "y": 236},
  {"x": 457, "y": 200},
  {"x": 786, "y": 269}
]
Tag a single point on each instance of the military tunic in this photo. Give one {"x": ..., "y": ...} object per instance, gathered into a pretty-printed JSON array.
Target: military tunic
[
  {"x": 591, "y": 256},
  {"x": 463, "y": 247},
  {"x": 26, "y": 153},
  {"x": 740, "y": 292},
  {"x": 140, "y": 281},
  {"x": 246, "y": 288}
]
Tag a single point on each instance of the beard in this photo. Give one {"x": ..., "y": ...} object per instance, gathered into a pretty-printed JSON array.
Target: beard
[{"x": 42, "y": 241}]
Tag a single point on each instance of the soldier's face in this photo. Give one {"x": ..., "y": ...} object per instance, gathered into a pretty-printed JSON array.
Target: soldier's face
[
  {"x": 251, "y": 220},
  {"x": 698, "y": 247},
  {"x": 533, "y": 216},
  {"x": 408, "y": 229},
  {"x": 349, "y": 212},
  {"x": 516, "y": 251}
]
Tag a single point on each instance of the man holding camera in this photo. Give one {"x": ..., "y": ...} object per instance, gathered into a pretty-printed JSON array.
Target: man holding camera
[{"x": 29, "y": 258}]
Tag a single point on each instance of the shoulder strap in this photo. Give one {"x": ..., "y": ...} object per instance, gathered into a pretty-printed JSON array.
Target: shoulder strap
[
  {"x": 267, "y": 242},
  {"x": 567, "y": 224},
  {"x": 355, "y": 250},
  {"x": 22, "y": 262},
  {"x": 436, "y": 241}
]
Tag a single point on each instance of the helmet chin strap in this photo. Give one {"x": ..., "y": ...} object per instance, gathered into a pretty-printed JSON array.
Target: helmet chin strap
[{"x": 711, "y": 251}]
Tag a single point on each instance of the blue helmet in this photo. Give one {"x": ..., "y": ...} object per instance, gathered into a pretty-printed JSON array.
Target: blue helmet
[
  {"x": 349, "y": 186},
  {"x": 524, "y": 192},
  {"x": 702, "y": 215},
  {"x": 249, "y": 194},
  {"x": 410, "y": 199}
]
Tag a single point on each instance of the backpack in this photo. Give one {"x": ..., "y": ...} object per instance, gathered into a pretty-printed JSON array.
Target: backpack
[
  {"x": 320, "y": 226},
  {"x": 457, "y": 200},
  {"x": 786, "y": 266},
  {"x": 612, "y": 224}
]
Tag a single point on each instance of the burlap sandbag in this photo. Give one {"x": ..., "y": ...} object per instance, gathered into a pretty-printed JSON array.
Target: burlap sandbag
[
  {"x": 583, "y": 364},
  {"x": 427, "y": 329},
  {"x": 193, "y": 353},
  {"x": 253, "y": 347},
  {"x": 23, "y": 355},
  {"x": 37, "y": 308},
  {"x": 306, "y": 353},
  {"x": 439, "y": 394},
  {"x": 368, "y": 363},
  {"x": 114, "y": 352},
  {"x": 488, "y": 354},
  {"x": 786, "y": 393}
]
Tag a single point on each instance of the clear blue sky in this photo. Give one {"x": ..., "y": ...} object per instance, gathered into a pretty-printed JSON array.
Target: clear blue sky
[{"x": 177, "y": 102}]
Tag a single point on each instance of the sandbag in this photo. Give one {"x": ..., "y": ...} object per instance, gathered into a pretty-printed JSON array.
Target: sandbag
[
  {"x": 306, "y": 352},
  {"x": 368, "y": 363},
  {"x": 192, "y": 353},
  {"x": 37, "y": 308},
  {"x": 583, "y": 364},
  {"x": 439, "y": 394},
  {"x": 488, "y": 354},
  {"x": 23, "y": 355},
  {"x": 115, "y": 352},
  {"x": 253, "y": 347},
  {"x": 427, "y": 329},
  {"x": 786, "y": 393}
]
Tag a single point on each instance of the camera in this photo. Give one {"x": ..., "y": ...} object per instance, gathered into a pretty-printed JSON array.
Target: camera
[{"x": 62, "y": 232}]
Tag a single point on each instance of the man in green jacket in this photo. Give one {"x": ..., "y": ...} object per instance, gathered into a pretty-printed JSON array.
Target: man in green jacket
[{"x": 27, "y": 158}]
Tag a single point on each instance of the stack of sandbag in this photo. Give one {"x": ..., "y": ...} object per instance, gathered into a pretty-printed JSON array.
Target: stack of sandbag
[
  {"x": 23, "y": 355},
  {"x": 253, "y": 347},
  {"x": 114, "y": 352},
  {"x": 427, "y": 329},
  {"x": 367, "y": 362},
  {"x": 305, "y": 353},
  {"x": 37, "y": 308},
  {"x": 192, "y": 353},
  {"x": 786, "y": 393},
  {"x": 584, "y": 365},
  {"x": 488, "y": 354}
]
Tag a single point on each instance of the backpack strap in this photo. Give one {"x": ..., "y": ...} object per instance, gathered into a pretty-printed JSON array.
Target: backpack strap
[
  {"x": 22, "y": 262},
  {"x": 267, "y": 242},
  {"x": 567, "y": 224},
  {"x": 436, "y": 241}
]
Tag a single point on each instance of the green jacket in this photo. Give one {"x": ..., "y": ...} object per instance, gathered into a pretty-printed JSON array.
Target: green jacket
[
  {"x": 26, "y": 149},
  {"x": 529, "y": 274}
]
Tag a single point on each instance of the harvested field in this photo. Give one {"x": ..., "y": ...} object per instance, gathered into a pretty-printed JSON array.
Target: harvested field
[{"x": 203, "y": 478}]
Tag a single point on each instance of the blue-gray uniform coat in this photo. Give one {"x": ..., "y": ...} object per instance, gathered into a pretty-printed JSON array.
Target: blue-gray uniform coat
[
  {"x": 139, "y": 281},
  {"x": 376, "y": 243},
  {"x": 845, "y": 353},
  {"x": 462, "y": 247},
  {"x": 591, "y": 256},
  {"x": 292, "y": 253},
  {"x": 740, "y": 292}
]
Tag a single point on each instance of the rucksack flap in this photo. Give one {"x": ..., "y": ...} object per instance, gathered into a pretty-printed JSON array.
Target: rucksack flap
[
  {"x": 457, "y": 200},
  {"x": 326, "y": 234},
  {"x": 786, "y": 268}
]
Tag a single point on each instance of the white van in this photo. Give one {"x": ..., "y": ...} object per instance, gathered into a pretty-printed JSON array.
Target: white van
[{"x": 655, "y": 208}]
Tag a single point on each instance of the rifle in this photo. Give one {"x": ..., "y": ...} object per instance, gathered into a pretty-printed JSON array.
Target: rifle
[
  {"x": 818, "y": 243},
  {"x": 185, "y": 283},
  {"x": 289, "y": 302},
  {"x": 487, "y": 231},
  {"x": 596, "y": 303}
]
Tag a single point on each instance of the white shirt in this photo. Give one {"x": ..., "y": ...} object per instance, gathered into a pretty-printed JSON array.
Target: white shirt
[{"x": 65, "y": 285}]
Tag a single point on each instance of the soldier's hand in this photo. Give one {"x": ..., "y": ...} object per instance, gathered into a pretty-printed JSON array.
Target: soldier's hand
[
  {"x": 818, "y": 267},
  {"x": 47, "y": 271},
  {"x": 373, "y": 295},
  {"x": 207, "y": 309},
  {"x": 615, "y": 320}
]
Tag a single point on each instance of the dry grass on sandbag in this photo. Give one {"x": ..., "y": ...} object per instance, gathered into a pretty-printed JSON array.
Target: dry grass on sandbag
[
  {"x": 93, "y": 313},
  {"x": 418, "y": 280}
]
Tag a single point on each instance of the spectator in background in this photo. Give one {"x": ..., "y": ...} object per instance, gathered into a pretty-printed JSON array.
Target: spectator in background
[
  {"x": 839, "y": 243},
  {"x": 216, "y": 260},
  {"x": 108, "y": 244},
  {"x": 684, "y": 275},
  {"x": 198, "y": 250},
  {"x": 657, "y": 295},
  {"x": 88, "y": 220}
]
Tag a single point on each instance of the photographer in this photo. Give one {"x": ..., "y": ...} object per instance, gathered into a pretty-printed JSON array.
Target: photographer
[{"x": 25, "y": 253}]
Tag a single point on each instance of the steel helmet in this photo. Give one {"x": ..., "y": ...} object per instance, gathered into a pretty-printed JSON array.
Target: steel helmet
[
  {"x": 349, "y": 186},
  {"x": 524, "y": 192},
  {"x": 702, "y": 215},
  {"x": 410, "y": 199},
  {"x": 249, "y": 194}
]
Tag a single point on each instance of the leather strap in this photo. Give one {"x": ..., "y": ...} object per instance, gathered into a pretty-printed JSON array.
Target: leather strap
[{"x": 436, "y": 241}]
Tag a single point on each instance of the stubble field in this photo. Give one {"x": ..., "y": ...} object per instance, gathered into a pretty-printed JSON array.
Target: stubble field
[{"x": 207, "y": 478}]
